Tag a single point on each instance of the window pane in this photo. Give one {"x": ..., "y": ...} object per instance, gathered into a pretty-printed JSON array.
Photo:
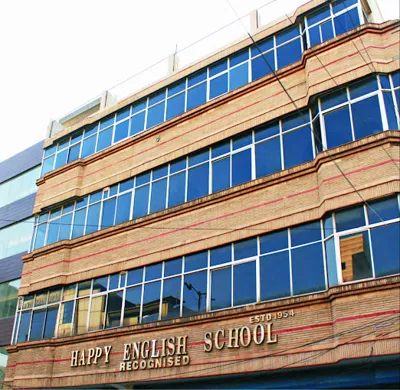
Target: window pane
[
  {"x": 197, "y": 77},
  {"x": 65, "y": 227},
  {"x": 47, "y": 165},
  {"x": 338, "y": 127},
  {"x": 333, "y": 99},
  {"x": 121, "y": 131},
  {"x": 318, "y": 15},
  {"x": 340, "y": 5},
  {"x": 196, "y": 261},
  {"x": 175, "y": 106},
  {"x": 74, "y": 152},
  {"x": 218, "y": 67},
  {"x": 158, "y": 195},
  {"x": 289, "y": 53},
  {"x": 315, "y": 36},
  {"x": 51, "y": 319},
  {"x": 366, "y": 117},
  {"x": 176, "y": 87},
  {"x": 97, "y": 312},
  {"x": 122, "y": 113},
  {"x": 262, "y": 46},
  {"x": 331, "y": 262},
  {"x": 176, "y": 191},
  {"x": 153, "y": 271},
  {"x": 297, "y": 147},
  {"x": 65, "y": 322},
  {"x": 81, "y": 315},
  {"x": 107, "y": 121},
  {"x": 52, "y": 233},
  {"x": 308, "y": 272},
  {"x": 219, "y": 85},
  {"x": 79, "y": 223},
  {"x": 88, "y": 146},
  {"x": 132, "y": 305},
  {"x": 238, "y": 76},
  {"x": 384, "y": 209},
  {"x": 244, "y": 283},
  {"x": 355, "y": 257},
  {"x": 262, "y": 65},
  {"x": 142, "y": 179},
  {"x": 151, "y": 302},
  {"x": 287, "y": 34},
  {"x": 221, "y": 288},
  {"x": 84, "y": 288},
  {"x": 220, "y": 148},
  {"x": 8, "y": 298},
  {"x": 327, "y": 30},
  {"x": 107, "y": 218},
  {"x": 141, "y": 202},
  {"x": 305, "y": 233},
  {"x": 24, "y": 326},
  {"x": 37, "y": 325},
  {"x": 199, "y": 157},
  {"x": 123, "y": 208},
  {"x": 105, "y": 138},
  {"x": 40, "y": 235},
  {"x": 245, "y": 248},
  {"x": 198, "y": 182},
  {"x": 390, "y": 111},
  {"x": 241, "y": 167},
  {"x": 155, "y": 115},
  {"x": 156, "y": 97},
  {"x": 386, "y": 249},
  {"x": 61, "y": 158},
  {"x": 137, "y": 123},
  {"x": 114, "y": 280},
  {"x": 220, "y": 255},
  {"x": 92, "y": 223},
  {"x": 363, "y": 87},
  {"x": 275, "y": 276},
  {"x": 171, "y": 300},
  {"x": 346, "y": 21},
  {"x": 114, "y": 306},
  {"x": 196, "y": 96},
  {"x": 177, "y": 165},
  {"x": 268, "y": 157},
  {"x": 100, "y": 284},
  {"x": 195, "y": 293},
  {"x": 173, "y": 267},
  {"x": 350, "y": 218},
  {"x": 135, "y": 276},
  {"x": 275, "y": 241},
  {"x": 221, "y": 174},
  {"x": 239, "y": 57}
]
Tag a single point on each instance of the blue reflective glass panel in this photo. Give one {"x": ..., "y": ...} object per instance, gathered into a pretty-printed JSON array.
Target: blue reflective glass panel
[
  {"x": 158, "y": 195},
  {"x": 126, "y": 185},
  {"x": 275, "y": 276},
  {"x": 383, "y": 210},
  {"x": 366, "y": 117},
  {"x": 242, "y": 140},
  {"x": 47, "y": 165},
  {"x": 196, "y": 261},
  {"x": 114, "y": 280},
  {"x": 262, "y": 46},
  {"x": 95, "y": 197},
  {"x": 289, "y": 53},
  {"x": 107, "y": 122},
  {"x": 262, "y": 65},
  {"x": 363, "y": 87},
  {"x": 334, "y": 99},
  {"x": 268, "y": 157},
  {"x": 196, "y": 96},
  {"x": 238, "y": 76},
  {"x": 221, "y": 288},
  {"x": 156, "y": 97},
  {"x": 239, "y": 57},
  {"x": 160, "y": 172},
  {"x": 123, "y": 208},
  {"x": 137, "y": 123},
  {"x": 40, "y": 236},
  {"x": 197, "y": 77},
  {"x": 133, "y": 299},
  {"x": 315, "y": 36},
  {"x": 171, "y": 299},
  {"x": 386, "y": 249},
  {"x": 37, "y": 325},
  {"x": 221, "y": 255},
  {"x": 198, "y": 182},
  {"x": 396, "y": 79},
  {"x": 327, "y": 30},
  {"x": 105, "y": 138},
  {"x": 275, "y": 241},
  {"x": 123, "y": 113},
  {"x": 346, "y": 21},
  {"x": 220, "y": 148},
  {"x": 93, "y": 218},
  {"x": 155, "y": 115},
  {"x": 267, "y": 131},
  {"x": 218, "y": 67},
  {"x": 91, "y": 130},
  {"x": 245, "y": 248},
  {"x": 79, "y": 223},
  {"x": 141, "y": 202},
  {"x": 244, "y": 283},
  {"x": 52, "y": 233},
  {"x": 139, "y": 106},
  {"x": 176, "y": 190},
  {"x": 107, "y": 218},
  {"x": 175, "y": 106},
  {"x": 221, "y": 174},
  {"x": 333, "y": 279},
  {"x": 23, "y": 330},
  {"x": 338, "y": 127},
  {"x": 308, "y": 269},
  {"x": 179, "y": 86},
  {"x": 219, "y": 85},
  {"x": 390, "y": 111},
  {"x": 88, "y": 146},
  {"x": 287, "y": 34},
  {"x": 297, "y": 147},
  {"x": 318, "y": 15},
  {"x": 307, "y": 232},
  {"x": 194, "y": 293},
  {"x": 51, "y": 319},
  {"x": 177, "y": 165},
  {"x": 385, "y": 82},
  {"x": 65, "y": 227},
  {"x": 350, "y": 218},
  {"x": 61, "y": 158},
  {"x": 153, "y": 271},
  {"x": 49, "y": 151},
  {"x": 173, "y": 267},
  {"x": 74, "y": 152},
  {"x": 114, "y": 308},
  {"x": 135, "y": 276},
  {"x": 142, "y": 179},
  {"x": 241, "y": 167},
  {"x": 198, "y": 157},
  {"x": 340, "y": 5},
  {"x": 121, "y": 131}
]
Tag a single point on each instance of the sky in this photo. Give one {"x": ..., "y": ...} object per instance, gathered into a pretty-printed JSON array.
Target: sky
[{"x": 57, "y": 55}]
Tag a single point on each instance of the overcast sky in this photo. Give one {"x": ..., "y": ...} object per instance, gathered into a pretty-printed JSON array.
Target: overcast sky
[{"x": 57, "y": 54}]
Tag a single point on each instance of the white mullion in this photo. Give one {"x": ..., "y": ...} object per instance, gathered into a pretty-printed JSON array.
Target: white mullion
[
  {"x": 161, "y": 290},
  {"x": 150, "y": 192},
  {"x": 280, "y": 135},
  {"x": 186, "y": 178},
  {"x": 307, "y": 31},
  {"x": 210, "y": 189},
  {"x": 350, "y": 113},
  {"x": 142, "y": 284},
  {"x": 230, "y": 164},
  {"x": 323, "y": 241},
  {"x": 382, "y": 109},
  {"x": 121, "y": 320},
  {"x": 16, "y": 314},
  {"x": 332, "y": 18},
  {"x": 253, "y": 156},
  {"x": 146, "y": 111},
  {"x": 182, "y": 287},
  {"x": 288, "y": 232},
  {"x": 232, "y": 265},
  {"x": 58, "y": 316},
  {"x": 258, "y": 271}
]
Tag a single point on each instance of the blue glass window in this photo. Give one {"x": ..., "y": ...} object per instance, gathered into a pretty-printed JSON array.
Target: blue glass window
[
  {"x": 142, "y": 179},
  {"x": 49, "y": 151},
  {"x": 363, "y": 87},
  {"x": 350, "y": 218},
  {"x": 93, "y": 218},
  {"x": 239, "y": 57},
  {"x": 295, "y": 120},
  {"x": 176, "y": 191},
  {"x": 245, "y": 248},
  {"x": 141, "y": 202},
  {"x": 314, "y": 35},
  {"x": 221, "y": 174},
  {"x": 123, "y": 113},
  {"x": 275, "y": 241},
  {"x": 308, "y": 269},
  {"x": 346, "y": 21},
  {"x": 195, "y": 78},
  {"x": 65, "y": 227},
  {"x": 52, "y": 233},
  {"x": 196, "y": 96},
  {"x": 114, "y": 308},
  {"x": 366, "y": 117},
  {"x": 123, "y": 208},
  {"x": 153, "y": 271},
  {"x": 219, "y": 85},
  {"x": 262, "y": 46},
  {"x": 334, "y": 99},
  {"x": 244, "y": 283},
  {"x": 175, "y": 106},
  {"x": 267, "y": 131},
  {"x": 104, "y": 140},
  {"x": 196, "y": 261},
  {"x": 268, "y": 157},
  {"x": 318, "y": 15},
  {"x": 221, "y": 255},
  {"x": 221, "y": 148},
  {"x": 305, "y": 233},
  {"x": 221, "y": 288},
  {"x": 156, "y": 97},
  {"x": 242, "y": 140},
  {"x": 107, "y": 219},
  {"x": 133, "y": 298},
  {"x": 155, "y": 115},
  {"x": 218, "y": 67},
  {"x": 171, "y": 300},
  {"x": 74, "y": 152},
  {"x": 177, "y": 165},
  {"x": 287, "y": 34},
  {"x": 198, "y": 182},
  {"x": 327, "y": 30},
  {"x": 137, "y": 123},
  {"x": 241, "y": 167},
  {"x": 341, "y": 5},
  {"x": 179, "y": 86},
  {"x": 61, "y": 158},
  {"x": 135, "y": 276},
  {"x": 262, "y": 65},
  {"x": 47, "y": 165},
  {"x": 297, "y": 147},
  {"x": 88, "y": 146},
  {"x": 289, "y": 53},
  {"x": 50, "y": 325},
  {"x": 23, "y": 331},
  {"x": 194, "y": 293},
  {"x": 114, "y": 280},
  {"x": 173, "y": 267},
  {"x": 79, "y": 223},
  {"x": 105, "y": 122},
  {"x": 383, "y": 210},
  {"x": 158, "y": 195},
  {"x": 275, "y": 276},
  {"x": 40, "y": 236},
  {"x": 390, "y": 111},
  {"x": 121, "y": 131},
  {"x": 338, "y": 127},
  {"x": 160, "y": 172}
]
